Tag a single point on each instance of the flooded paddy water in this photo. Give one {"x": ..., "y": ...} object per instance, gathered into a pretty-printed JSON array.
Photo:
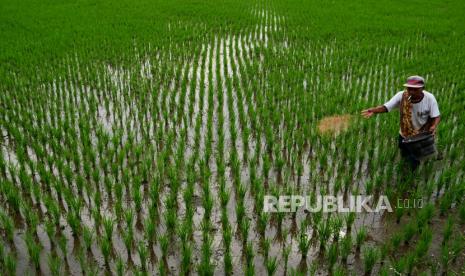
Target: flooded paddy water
[{"x": 160, "y": 165}]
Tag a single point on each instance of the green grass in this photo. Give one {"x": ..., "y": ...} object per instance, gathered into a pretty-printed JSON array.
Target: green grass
[{"x": 150, "y": 132}]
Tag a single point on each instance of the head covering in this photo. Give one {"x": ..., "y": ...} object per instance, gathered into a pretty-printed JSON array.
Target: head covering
[{"x": 415, "y": 82}]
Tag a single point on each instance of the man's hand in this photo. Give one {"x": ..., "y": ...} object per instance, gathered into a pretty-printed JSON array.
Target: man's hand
[
  {"x": 434, "y": 123},
  {"x": 367, "y": 113},
  {"x": 432, "y": 129}
]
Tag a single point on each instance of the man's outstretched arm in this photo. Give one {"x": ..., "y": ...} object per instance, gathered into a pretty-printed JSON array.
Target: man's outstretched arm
[{"x": 367, "y": 113}]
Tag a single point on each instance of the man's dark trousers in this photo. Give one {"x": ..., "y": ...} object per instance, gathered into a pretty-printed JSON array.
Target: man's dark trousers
[{"x": 407, "y": 155}]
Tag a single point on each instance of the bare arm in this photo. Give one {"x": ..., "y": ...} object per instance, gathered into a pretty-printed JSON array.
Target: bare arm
[
  {"x": 367, "y": 113},
  {"x": 434, "y": 123}
]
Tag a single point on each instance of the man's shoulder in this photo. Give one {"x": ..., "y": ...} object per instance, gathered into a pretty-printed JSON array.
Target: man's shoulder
[{"x": 429, "y": 95}]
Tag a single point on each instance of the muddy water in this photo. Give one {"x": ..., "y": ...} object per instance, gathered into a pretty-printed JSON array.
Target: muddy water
[{"x": 230, "y": 53}]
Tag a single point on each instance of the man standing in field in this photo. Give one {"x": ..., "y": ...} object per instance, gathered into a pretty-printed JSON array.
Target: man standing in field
[{"x": 419, "y": 113}]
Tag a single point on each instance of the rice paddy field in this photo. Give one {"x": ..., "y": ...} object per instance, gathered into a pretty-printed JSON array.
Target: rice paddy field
[{"x": 141, "y": 137}]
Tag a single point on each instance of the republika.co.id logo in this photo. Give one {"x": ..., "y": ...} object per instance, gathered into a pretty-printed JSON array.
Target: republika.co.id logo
[{"x": 327, "y": 203}]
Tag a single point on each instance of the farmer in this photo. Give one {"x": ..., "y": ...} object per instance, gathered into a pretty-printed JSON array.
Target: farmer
[{"x": 419, "y": 113}]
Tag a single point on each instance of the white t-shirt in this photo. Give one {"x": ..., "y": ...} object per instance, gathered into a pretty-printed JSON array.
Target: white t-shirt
[{"x": 421, "y": 111}]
